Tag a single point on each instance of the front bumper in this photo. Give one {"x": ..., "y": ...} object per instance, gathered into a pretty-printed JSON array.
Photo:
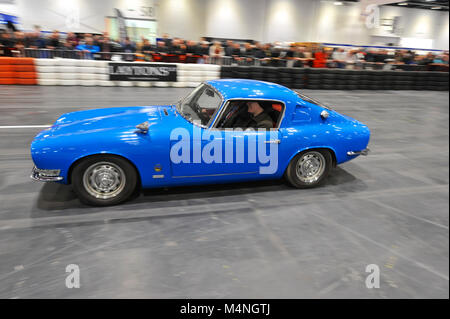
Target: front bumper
[
  {"x": 364, "y": 152},
  {"x": 45, "y": 175}
]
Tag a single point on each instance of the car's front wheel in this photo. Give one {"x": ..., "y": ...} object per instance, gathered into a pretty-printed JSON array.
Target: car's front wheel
[
  {"x": 309, "y": 168},
  {"x": 104, "y": 180}
]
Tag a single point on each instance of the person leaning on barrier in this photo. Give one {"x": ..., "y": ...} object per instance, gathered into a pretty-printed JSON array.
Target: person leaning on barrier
[
  {"x": 147, "y": 49},
  {"x": 7, "y": 43},
  {"x": 229, "y": 48},
  {"x": 88, "y": 48},
  {"x": 216, "y": 52},
  {"x": 258, "y": 51},
  {"x": 161, "y": 47},
  {"x": 178, "y": 47},
  {"x": 203, "y": 50},
  {"x": 34, "y": 39},
  {"x": 53, "y": 41},
  {"x": 191, "y": 47}
]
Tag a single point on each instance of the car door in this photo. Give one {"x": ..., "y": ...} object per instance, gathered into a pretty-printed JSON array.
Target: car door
[
  {"x": 226, "y": 152},
  {"x": 216, "y": 152}
]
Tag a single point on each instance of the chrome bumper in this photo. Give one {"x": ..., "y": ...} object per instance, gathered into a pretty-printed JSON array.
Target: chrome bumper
[
  {"x": 45, "y": 175},
  {"x": 363, "y": 152}
]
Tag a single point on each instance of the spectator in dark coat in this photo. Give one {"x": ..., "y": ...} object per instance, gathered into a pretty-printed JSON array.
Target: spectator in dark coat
[
  {"x": 191, "y": 47},
  {"x": 53, "y": 41},
  {"x": 161, "y": 47},
  {"x": 35, "y": 40}
]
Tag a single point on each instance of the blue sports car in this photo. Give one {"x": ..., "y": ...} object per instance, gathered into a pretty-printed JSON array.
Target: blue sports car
[{"x": 226, "y": 130}]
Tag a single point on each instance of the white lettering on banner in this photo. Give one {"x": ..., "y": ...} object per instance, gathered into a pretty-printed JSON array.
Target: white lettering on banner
[{"x": 140, "y": 70}]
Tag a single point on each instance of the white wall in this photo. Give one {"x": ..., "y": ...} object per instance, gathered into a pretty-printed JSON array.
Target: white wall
[
  {"x": 339, "y": 24},
  {"x": 420, "y": 24},
  {"x": 181, "y": 18},
  {"x": 60, "y": 14},
  {"x": 442, "y": 33},
  {"x": 263, "y": 20},
  {"x": 235, "y": 19},
  {"x": 288, "y": 20},
  {"x": 317, "y": 21}
]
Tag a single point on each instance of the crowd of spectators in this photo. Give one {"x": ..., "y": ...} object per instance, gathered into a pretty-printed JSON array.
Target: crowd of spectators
[{"x": 101, "y": 46}]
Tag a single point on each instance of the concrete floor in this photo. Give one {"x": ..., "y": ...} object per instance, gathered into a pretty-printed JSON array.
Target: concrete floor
[{"x": 251, "y": 240}]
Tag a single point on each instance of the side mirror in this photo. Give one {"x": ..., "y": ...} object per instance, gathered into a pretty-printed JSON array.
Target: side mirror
[{"x": 143, "y": 127}]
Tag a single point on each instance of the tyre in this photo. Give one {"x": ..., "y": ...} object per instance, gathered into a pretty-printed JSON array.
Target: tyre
[
  {"x": 309, "y": 168},
  {"x": 104, "y": 180}
]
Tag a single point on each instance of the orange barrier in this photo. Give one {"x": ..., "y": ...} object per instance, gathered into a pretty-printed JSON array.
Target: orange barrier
[{"x": 20, "y": 71}]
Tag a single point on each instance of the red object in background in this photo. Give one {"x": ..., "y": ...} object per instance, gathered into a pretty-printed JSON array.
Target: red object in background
[
  {"x": 320, "y": 60},
  {"x": 277, "y": 107}
]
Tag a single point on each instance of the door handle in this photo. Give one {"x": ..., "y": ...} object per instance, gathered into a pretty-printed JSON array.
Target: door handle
[{"x": 273, "y": 142}]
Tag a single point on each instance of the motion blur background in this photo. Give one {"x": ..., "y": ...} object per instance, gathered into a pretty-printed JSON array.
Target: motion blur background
[
  {"x": 385, "y": 66},
  {"x": 417, "y": 23}
]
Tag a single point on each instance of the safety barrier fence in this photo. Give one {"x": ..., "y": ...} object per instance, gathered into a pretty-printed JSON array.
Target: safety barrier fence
[
  {"x": 389, "y": 64},
  {"x": 107, "y": 73},
  {"x": 84, "y": 72}
]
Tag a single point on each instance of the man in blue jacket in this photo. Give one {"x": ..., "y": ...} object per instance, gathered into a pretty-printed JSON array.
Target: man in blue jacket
[{"x": 88, "y": 48}]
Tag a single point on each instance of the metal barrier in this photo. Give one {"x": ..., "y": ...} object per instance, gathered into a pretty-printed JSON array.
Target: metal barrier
[
  {"x": 223, "y": 60},
  {"x": 77, "y": 54}
]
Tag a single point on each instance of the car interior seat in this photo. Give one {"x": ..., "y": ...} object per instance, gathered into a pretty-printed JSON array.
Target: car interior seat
[{"x": 274, "y": 112}]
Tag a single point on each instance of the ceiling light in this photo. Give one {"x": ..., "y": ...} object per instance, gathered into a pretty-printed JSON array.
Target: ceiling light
[
  {"x": 429, "y": 0},
  {"x": 435, "y": 8},
  {"x": 338, "y": 3},
  {"x": 403, "y": 4}
]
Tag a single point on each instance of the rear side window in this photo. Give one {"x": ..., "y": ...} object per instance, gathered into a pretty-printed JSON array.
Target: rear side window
[{"x": 311, "y": 100}]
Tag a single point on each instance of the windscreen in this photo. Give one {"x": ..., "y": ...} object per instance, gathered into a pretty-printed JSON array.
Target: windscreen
[{"x": 200, "y": 105}]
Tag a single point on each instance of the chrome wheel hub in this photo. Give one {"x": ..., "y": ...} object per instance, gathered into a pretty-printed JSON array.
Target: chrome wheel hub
[
  {"x": 310, "y": 167},
  {"x": 104, "y": 180}
]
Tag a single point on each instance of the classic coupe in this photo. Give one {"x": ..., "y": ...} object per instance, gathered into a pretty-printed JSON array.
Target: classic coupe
[{"x": 211, "y": 136}]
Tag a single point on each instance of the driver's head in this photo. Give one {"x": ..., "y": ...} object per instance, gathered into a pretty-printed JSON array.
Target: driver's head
[{"x": 254, "y": 108}]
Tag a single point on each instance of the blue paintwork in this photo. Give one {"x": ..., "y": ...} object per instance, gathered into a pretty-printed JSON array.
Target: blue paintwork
[{"x": 112, "y": 131}]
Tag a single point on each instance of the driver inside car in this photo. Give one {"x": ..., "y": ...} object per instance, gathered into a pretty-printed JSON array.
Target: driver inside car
[
  {"x": 253, "y": 116},
  {"x": 245, "y": 115},
  {"x": 258, "y": 117}
]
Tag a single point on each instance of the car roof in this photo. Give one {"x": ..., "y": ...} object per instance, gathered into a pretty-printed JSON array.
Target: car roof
[{"x": 249, "y": 89}]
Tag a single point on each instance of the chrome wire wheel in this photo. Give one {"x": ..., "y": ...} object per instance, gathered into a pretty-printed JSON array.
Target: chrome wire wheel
[
  {"x": 310, "y": 167},
  {"x": 104, "y": 180}
]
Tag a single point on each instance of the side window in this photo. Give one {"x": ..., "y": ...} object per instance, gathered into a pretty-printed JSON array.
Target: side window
[
  {"x": 301, "y": 114},
  {"x": 251, "y": 113}
]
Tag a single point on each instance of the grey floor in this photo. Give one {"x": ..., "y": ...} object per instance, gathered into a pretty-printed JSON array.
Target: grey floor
[{"x": 251, "y": 240}]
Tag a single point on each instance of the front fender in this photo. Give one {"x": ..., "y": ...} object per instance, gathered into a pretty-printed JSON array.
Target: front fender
[{"x": 61, "y": 152}]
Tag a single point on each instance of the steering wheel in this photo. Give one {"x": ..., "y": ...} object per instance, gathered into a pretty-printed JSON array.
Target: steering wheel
[{"x": 203, "y": 117}]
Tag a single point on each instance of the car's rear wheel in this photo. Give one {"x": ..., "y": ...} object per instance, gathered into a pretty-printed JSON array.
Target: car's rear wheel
[
  {"x": 104, "y": 180},
  {"x": 309, "y": 168}
]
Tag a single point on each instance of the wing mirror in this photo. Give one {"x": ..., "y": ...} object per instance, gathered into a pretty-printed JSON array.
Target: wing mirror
[{"x": 143, "y": 127}]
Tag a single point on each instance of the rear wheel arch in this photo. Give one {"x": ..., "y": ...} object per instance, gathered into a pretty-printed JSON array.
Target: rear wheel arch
[
  {"x": 332, "y": 152},
  {"x": 79, "y": 160},
  {"x": 309, "y": 167}
]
